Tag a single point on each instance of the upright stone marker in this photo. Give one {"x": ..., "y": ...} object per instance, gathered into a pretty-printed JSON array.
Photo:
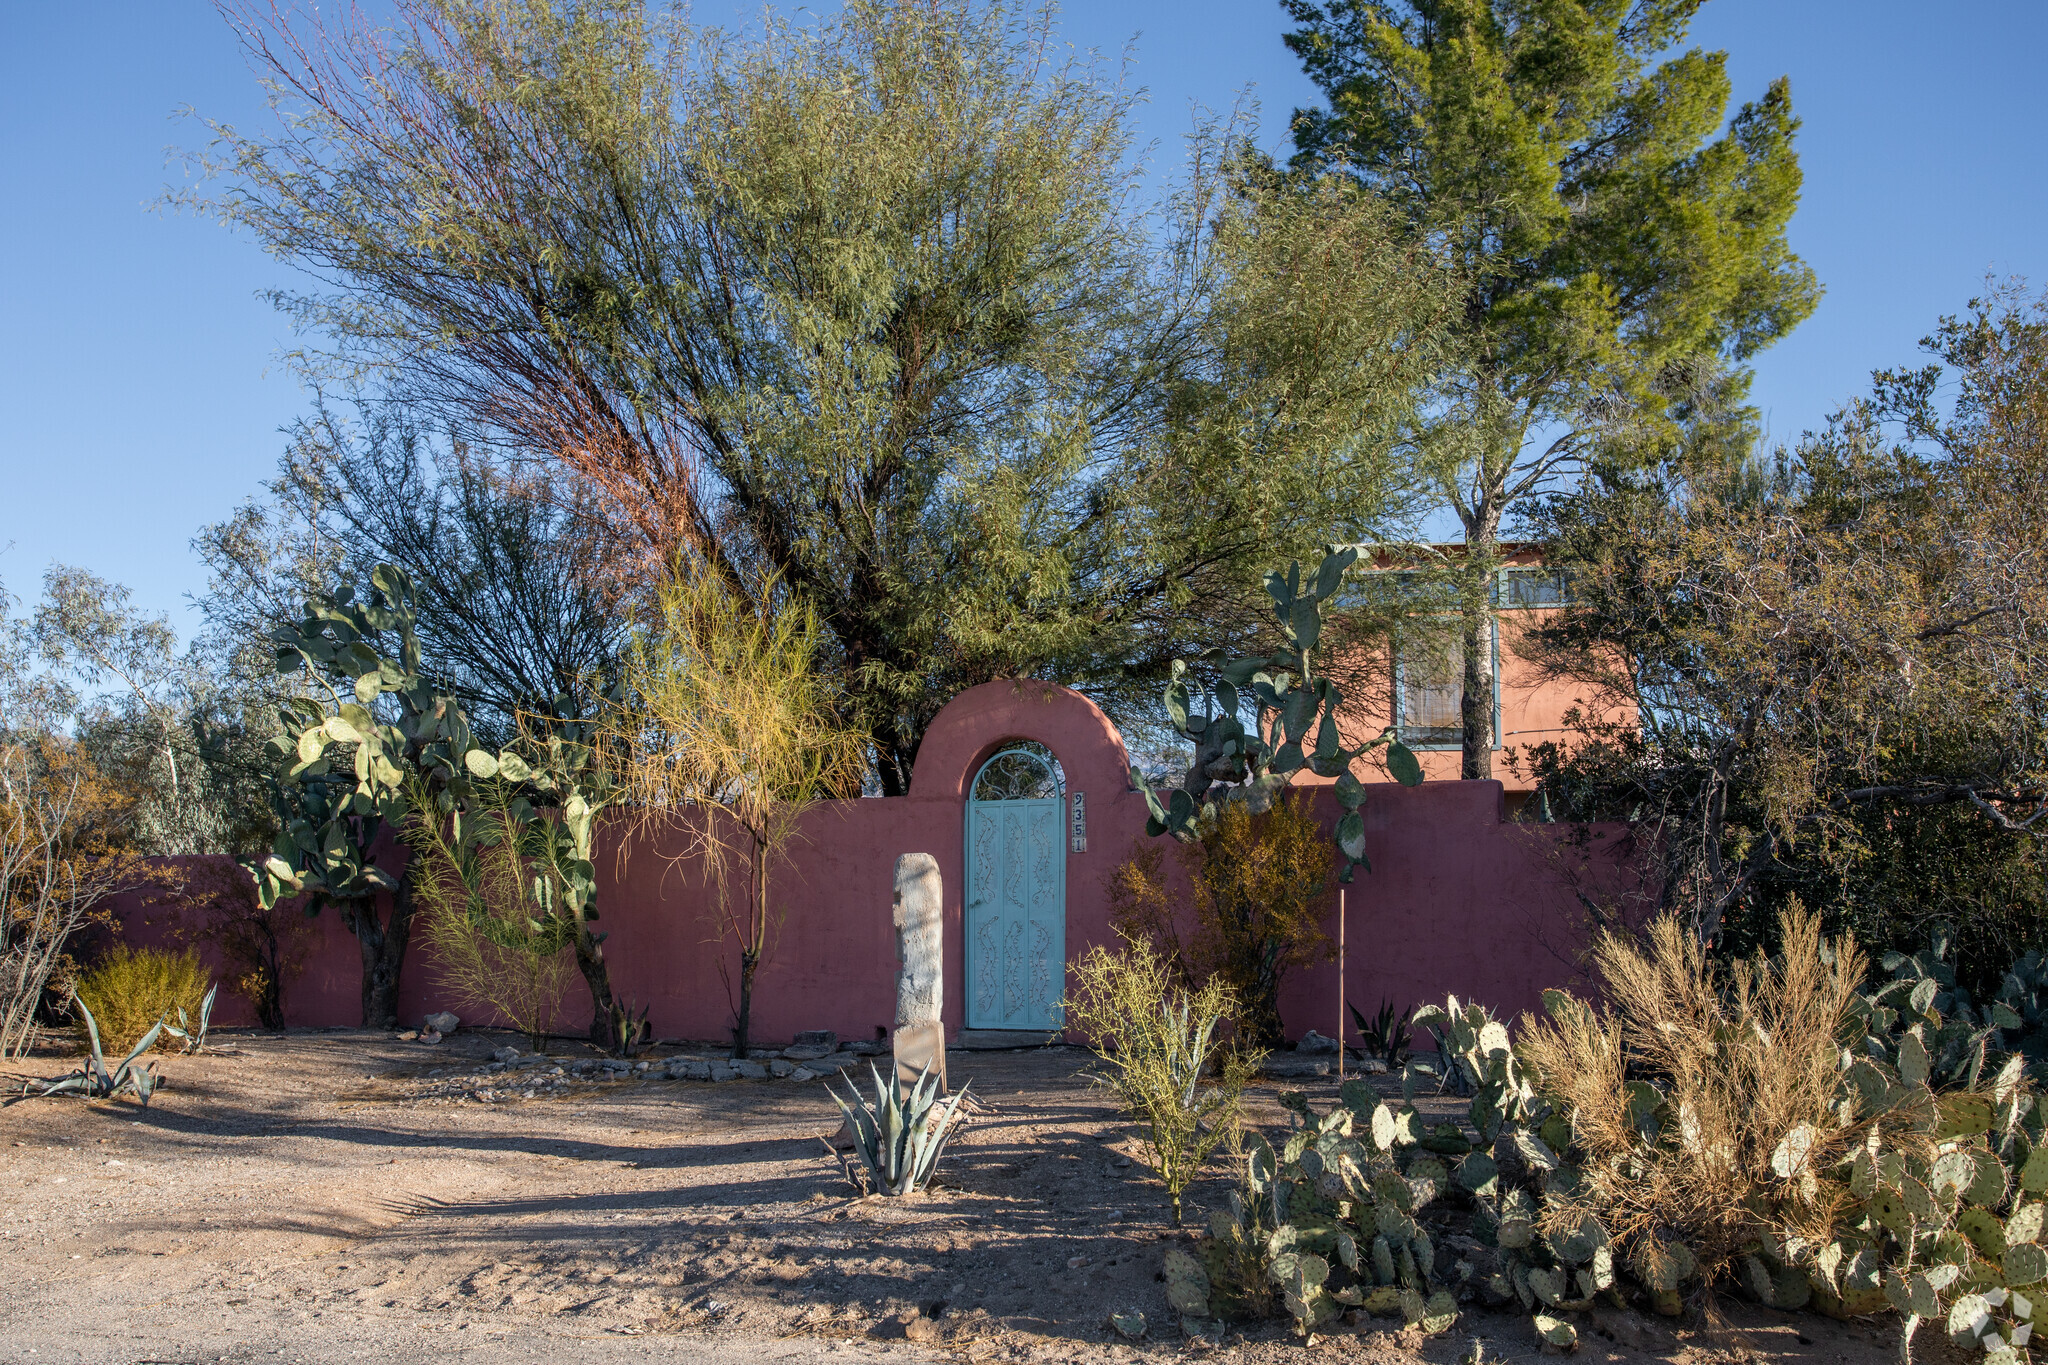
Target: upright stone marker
[{"x": 920, "y": 982}]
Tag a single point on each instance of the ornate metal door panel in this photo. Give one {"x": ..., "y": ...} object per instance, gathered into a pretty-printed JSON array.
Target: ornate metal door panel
[{"x": 1016, "y": 904}]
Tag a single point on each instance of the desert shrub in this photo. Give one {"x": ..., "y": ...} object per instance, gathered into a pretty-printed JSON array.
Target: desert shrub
[
  {"x": 1748, "y": 1052},
  {"x": 65, "y": 853},
  {"x": 1718, "y": 1104},
  {"x": 130, "y": 989},
  {"x": 1768, "y": 1126},
  {"x": 1256, "y": 887},
  {"x": 1159, "y": 1040},
  {"x": 488, "y": 885}
]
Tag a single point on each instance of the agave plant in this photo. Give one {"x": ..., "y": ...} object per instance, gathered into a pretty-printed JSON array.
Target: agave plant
[
  {"x": 94, "y": 1080},
  {"x": 898, "y": 1137},
  {"x": 1384, "y": 1036},
  {"x": 194, "y": 1038}
]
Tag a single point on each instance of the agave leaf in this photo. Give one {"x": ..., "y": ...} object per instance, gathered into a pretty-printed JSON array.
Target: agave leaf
[{"x": 92, "y": 1028}]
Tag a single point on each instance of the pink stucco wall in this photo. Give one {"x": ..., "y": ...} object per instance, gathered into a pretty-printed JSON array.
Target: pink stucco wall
[{"x": 1458, "y": 901}]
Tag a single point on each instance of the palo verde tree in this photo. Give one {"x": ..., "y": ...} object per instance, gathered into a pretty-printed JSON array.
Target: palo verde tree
[
  {"x": 727, "y": 735},
  {"x": 865, "y": 308},
  {"x": 1618, "y": 250}
]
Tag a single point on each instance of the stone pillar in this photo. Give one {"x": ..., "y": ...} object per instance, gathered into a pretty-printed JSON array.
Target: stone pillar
[{"x": 920, "y": 976}]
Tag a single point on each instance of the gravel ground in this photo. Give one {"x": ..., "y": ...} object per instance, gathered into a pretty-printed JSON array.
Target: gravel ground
[{"x": 344, "y": 1195}]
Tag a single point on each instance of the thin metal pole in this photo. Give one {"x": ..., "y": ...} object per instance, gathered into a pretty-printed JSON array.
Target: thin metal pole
[{"x": 1340, "y": 985}]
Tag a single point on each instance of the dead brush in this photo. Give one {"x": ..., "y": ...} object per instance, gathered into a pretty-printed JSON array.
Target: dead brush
[{"x": 1708, "y": 1100}]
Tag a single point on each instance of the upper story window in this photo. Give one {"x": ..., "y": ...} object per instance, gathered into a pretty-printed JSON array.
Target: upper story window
[
  {"x": 1528, "y": 586},
  {"x": 1429, "y": 688}
]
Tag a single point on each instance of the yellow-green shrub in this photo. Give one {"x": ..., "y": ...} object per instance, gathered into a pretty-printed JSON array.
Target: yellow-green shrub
[
  {"x": 129, "y": 989},
  {"x": 1166, "y": 1059}
]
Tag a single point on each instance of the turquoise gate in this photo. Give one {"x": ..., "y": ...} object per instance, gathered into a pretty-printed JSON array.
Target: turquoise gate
[{"x": 1016, "y": 893}]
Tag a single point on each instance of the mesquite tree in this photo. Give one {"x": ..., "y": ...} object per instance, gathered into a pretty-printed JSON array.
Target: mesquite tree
[{"x": 867, "y": 307}]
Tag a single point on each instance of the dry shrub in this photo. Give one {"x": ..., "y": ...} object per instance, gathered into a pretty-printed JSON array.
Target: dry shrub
[
  {"x": 66, "y": 850},
  {"x": 1161, "y": 1042},
  {"x": 489, "y": 887},
  {"x": 1742, "y": 1057},
  {"x": 129, "y": 989},
  {"x": 1257, "y": 883}
]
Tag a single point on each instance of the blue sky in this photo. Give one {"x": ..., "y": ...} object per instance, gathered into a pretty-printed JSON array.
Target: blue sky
[{"x": 141, "y": 391}]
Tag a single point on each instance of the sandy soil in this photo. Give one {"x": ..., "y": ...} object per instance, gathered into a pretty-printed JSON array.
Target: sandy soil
[{"x": 322, "y": 1196}]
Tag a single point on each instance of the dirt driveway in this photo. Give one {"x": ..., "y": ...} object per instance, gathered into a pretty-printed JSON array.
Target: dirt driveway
[{"x": 345, "y": 1196}]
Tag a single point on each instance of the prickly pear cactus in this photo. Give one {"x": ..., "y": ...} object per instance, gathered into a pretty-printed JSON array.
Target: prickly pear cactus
[{"x": 1294, "y": 723}]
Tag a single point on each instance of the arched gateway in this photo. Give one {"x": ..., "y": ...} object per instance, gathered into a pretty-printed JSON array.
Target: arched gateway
[{"x": 1016, "y": 895}]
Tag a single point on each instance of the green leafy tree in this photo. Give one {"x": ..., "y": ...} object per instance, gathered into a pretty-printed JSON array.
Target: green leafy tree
[
  {"x": 865, "y": 307},
  {"x": 1620, "y": 250}
]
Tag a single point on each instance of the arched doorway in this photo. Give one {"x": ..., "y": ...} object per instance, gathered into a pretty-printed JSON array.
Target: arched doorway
[{"x": 1016, "y": 892}]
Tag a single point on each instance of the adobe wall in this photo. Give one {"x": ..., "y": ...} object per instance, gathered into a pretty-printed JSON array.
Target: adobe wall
[{"x": 1457, "y": 902}]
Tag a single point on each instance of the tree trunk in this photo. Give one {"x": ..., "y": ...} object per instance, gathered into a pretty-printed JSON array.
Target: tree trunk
[
  {"x": 383, "y": 946},
  {"x": 749, "y": 961},
  {"x": 1476, "y": 699},
  {"x": 750, "y": 953},
  {"x": 607, "y": 1016},
  {"x": 1261, "y": 1021},
  {"x": 270, "y": 999}
]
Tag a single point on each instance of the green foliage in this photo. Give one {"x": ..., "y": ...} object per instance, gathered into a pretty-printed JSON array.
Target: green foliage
[
  {"x": 727, "y": 732},
  {"x": 866, "y": 305},
  {"x": 341, "y": 771},
  {"x": 516, "y": 574},
  {"x": 1618, "y": 223},
  {"x": 1294, "y": 723},
  {"x": 902, "y": 1134},
  {"x": 1620, "y": 239},
  {"x": 1964, "y": 1041},
  {"x": 95, "y": 1080},
  {"x": 501, "y": 887},
  {"x": 1257, "y": 886},
  {"x": 191, "y": 1035},
  {"x": 1384, "y": 1036},
  {"x": 1772, "y": 1127},
  {"x": 1817, "y": 676},
  {"x": 1159, "y": 1042},
  {"x": 344, "y": 772},
  {"x": 130, "y": 991},
  {"x": 1331, "y": 1219}
]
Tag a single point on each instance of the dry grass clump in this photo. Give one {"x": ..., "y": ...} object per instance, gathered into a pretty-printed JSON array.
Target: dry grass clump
[
  {"x": 1161, "y": 1040},
  {"x": 1704, "y": 1097},
  {"x": 129, "y": 990}
]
